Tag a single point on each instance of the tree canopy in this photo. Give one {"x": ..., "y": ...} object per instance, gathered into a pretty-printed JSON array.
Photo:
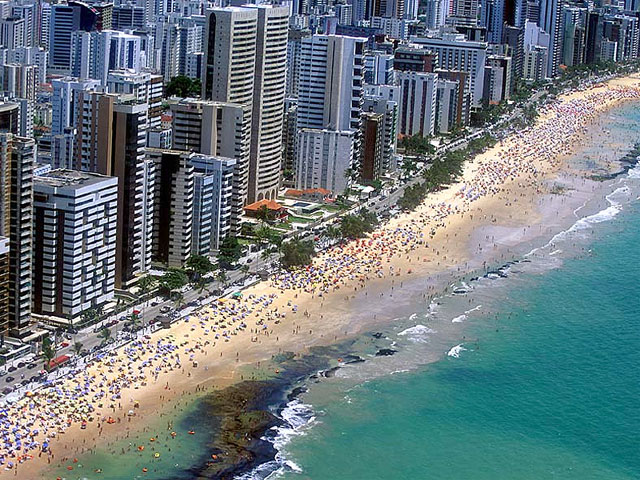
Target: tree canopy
[
  {"x": 173, "y": 279},
  {"x": 417, "y": 144},
  {"x": 357, "y": 226},
  {"x": 297, "y": 253},
  {"x": 183, "y": 86},
  {"x": 199, "y": 265},
  {"x": 230, "y": 251}
]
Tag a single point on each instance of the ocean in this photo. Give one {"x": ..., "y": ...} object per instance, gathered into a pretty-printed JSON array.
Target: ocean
[
  {"x": 527, "y": 372},
  {"x": 540, "y": 382}
]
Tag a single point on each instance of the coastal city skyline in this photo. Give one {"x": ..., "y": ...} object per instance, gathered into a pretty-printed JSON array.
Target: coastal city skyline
[{"x": 200, "y": 195}]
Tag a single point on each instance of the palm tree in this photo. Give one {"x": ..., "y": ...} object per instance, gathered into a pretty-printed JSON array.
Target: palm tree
[
  {"x": 146, "y": 284},
  {"x": 105, "y": 335},
  {"x": 48, "y": 352},
  {"x": 244, "y": 269},
  {"x": 77, "y": 348},
  {"x": 223, "y": 278},
  {"x": 178, "y": 299}
]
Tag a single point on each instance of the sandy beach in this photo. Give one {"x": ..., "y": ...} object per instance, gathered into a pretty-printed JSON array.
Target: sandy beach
[{"x": 472, "y": 223}]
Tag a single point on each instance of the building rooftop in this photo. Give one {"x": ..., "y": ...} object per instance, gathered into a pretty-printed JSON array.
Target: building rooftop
[
  {"x": 69, "y": 178},
  {"x": 270, "y": 204}
]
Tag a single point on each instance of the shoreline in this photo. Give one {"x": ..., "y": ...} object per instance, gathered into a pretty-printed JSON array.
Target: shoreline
[{"x": 341, "y": 319}]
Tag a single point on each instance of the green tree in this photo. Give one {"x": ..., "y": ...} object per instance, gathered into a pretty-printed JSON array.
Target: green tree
[
  {"x": 183, "y": 86},
  {"x": 230, "y": 251},
  {"x": 357, "y": 226},
  {"x": 173, "y": 279},
  {"x": 223, "y": 278},
  {"x": 264, "y": 214},
  {"x": 417, "y": 144},
  {"x": 105, "y": 335},
  {"x": 48, "y": 352},
  {"x": 178, "y": 299},
  {"x": 198, "y": 266},
  {"x": 146, "y": 284},
  {"x": 297, "y": 253}
]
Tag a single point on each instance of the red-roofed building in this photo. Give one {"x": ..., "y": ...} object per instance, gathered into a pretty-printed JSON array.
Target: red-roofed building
[
  {"x": 276, "y": 211},
  {"x": 310, "y": 194}
]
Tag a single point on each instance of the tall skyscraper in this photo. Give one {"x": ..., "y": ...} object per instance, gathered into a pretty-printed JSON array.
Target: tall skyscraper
[
  {"x": 73, "y": 212},
  {"x": 331, "y": 82},
  {"x": 64, "y": 101},
  {"x": 268, "y": 102},
  {"x": 551, "y": 22},
  {"x": 4, "y": 286},
  {"x": 330, "y": 97},
  {"x": 213, "y": 185},
  {"x": 454, "y": 52},
  {"x": 229, "y": 73},
  {"x": 245, "y": 63},
  {"x": 110, "y": 140},
  {"x": 173, "y": 206},
  {"x": 67, "y": 18},
  {"x": 16, "y": 196}
]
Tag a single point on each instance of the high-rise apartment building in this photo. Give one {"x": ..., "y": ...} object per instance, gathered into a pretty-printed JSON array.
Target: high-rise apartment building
[
  {"x": 210, "y": 128},
  {"x": 325, "y": 159},
  {"x": 4, "y": 286},
  {"x": 64, "y": 101},
  {"x": 229, "y": 75},
  {"x": 417, "y": 110},
  {"x": 245, "y": 63},
  {"x": 95, "y": 54},
  {"x": 9, "y": 117},
  {"x": 74, "y": 223},
  {"x": 16, "y": 196},
  {"x": 213, "y": 186},
  {"x": 330, "y": 96},
  {"x": 550, "y": 21},
  {"x": 384, "y": 100},
  {"x": 110, "y": 140},
  {"x": 268, "y": 102},
  {"x": 454, "y": 52},
  {"x": 67, "y": 18},
  {"x": 173, "y": 206},
  {"x": 331, "y": 82}
]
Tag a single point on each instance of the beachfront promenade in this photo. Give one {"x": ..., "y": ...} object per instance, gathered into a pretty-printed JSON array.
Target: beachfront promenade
[{"x": 106, "y": 392}]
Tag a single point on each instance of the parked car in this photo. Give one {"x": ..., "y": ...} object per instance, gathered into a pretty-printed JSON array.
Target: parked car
[
  {"x": 12, "y": 368},
  {"x": 7, "y": 390},
  {"x": 21, "y": 364},
  {"x": 165, "y": 309},
  {"x": 9, "y": 379},
  {"x": 31, "y": 366}
]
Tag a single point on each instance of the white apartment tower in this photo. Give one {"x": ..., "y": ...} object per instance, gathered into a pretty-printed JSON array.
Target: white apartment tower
[
  {"x": 245, "y": 63},
  {"x": 75, "y": 216},
  {"x": 330, "y": 96},
  {"x": 418, "y": 93},
  {"x": 228, "y": 76},
  {"x": 268, "y": 102}
]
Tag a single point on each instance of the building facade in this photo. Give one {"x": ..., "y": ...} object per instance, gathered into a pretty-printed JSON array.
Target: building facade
[{"x": 74, "y": 222}]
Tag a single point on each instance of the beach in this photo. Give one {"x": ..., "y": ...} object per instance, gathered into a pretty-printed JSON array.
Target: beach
[{"x": 468, "y": 226}]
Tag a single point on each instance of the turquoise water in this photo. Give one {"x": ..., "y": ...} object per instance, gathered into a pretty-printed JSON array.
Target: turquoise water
[{"x": 548, "y": 387}]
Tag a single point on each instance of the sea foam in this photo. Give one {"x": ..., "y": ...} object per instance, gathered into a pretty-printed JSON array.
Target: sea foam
[
  {"x": 456, "y": 351},
  {"x": 419, "y": 333}
]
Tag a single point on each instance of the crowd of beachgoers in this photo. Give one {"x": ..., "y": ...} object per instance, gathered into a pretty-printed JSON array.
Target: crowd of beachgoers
[{"x": 102, "y": 392}]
